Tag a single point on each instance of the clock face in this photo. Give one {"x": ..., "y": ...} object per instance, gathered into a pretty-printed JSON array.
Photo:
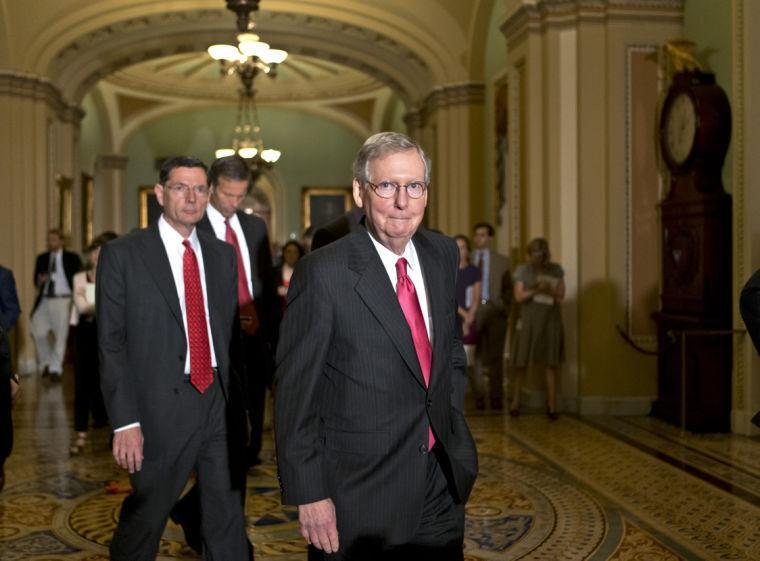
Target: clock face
[{"x": 680, "y": 128}]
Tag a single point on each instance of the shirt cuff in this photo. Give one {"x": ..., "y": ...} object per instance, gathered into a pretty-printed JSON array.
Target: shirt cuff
[{"x": 125, "y": 427}]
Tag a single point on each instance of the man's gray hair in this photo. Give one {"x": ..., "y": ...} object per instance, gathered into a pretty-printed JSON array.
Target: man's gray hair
[{"x": 384, "y": 144}]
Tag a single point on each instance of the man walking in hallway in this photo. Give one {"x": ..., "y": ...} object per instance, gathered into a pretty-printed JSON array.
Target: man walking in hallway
[
  {"x": 372, "y": 444},
  {"x": 167, "y": 316},
  {"x": 492, "y": 315},
  {"x": 53, "y": 274}
]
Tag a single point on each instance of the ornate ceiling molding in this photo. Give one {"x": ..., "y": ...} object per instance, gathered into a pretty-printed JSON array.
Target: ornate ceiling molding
[
  {"x": 102, "y": 52},
  {"x": 544, "y": 14},
  {"x": 27, "y": 86}
]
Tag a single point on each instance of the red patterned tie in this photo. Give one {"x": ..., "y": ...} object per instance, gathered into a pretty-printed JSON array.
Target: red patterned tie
[
  {"x": 247, "y": 308},
  {"x": 410, "y": 305},
  {"x": 201, "y": 374}
]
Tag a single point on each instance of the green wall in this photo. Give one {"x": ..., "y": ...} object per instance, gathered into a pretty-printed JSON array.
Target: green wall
[
  {"x": 708, "y": 24},
  {"x": 316, "y": 151},
  {"x": 90, "y": 138}
]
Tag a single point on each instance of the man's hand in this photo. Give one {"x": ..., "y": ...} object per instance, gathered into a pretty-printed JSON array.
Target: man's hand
[
  {"x": 15, "y": 388},
  {"x": 318, "y": 525},
  {"x": 128, "y": 448}
]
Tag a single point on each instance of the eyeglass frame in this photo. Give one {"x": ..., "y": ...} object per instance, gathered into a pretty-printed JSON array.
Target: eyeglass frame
[
  {"x": 184, "y": 190},
  {"x": 398, "y": 189}
]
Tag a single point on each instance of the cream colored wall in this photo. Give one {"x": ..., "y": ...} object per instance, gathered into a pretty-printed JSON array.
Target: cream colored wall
[{"x": 573, "y": 150}]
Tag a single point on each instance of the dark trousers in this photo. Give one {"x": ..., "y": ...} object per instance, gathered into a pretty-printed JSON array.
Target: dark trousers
[
  {"x": 6, "y": 418},
  {"x": 439, "y": 535},
  {"x": 492, "y": 332},
  {"x": 201, "y": 443},
  {"x": 259, "y": 364},
  {"x": 87, "y": 395}
]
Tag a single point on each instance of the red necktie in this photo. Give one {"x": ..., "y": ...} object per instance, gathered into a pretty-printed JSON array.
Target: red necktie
[
  {"x": 201, "y": 374},
  {"x": 247, "y": 308},
  {"x": 410, "y": 305}
]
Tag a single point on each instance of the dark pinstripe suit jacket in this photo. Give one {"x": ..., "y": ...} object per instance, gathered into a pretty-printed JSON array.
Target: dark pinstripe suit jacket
[{"x": 352, "y": 410}]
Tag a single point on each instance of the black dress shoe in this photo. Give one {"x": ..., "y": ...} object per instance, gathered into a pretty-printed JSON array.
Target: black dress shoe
[
  {"x": 192, "y": 531},
  {"x": 45, "y": 372},
  {"x": 553, "y": 415}
]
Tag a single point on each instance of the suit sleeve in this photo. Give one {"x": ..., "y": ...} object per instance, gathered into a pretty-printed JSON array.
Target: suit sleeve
[
  {"x": 111, "y": 314},
  {"x": 9, "y": 306},
  {"x": 749, "y": 305},
  {"x": 458, "y": 356},
  {"x": 305, "y": 336}
]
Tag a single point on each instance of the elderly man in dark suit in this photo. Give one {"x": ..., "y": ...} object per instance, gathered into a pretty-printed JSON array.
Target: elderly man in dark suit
[
  {"x": 53, "y": 276},
  {"x": 167, "y": 316},
  {"x": 492, "y": 315},
  {"x": 371, "y": 441},
  {"x": 9, "y": 312}
]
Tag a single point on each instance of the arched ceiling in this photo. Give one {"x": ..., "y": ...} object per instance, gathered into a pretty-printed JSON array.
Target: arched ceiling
[
  {"x": 197, "y": 76},
  {"x": 409, "y": 46}
]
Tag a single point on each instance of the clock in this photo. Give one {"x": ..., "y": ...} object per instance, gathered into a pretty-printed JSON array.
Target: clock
[
  {"x": 695, "y": 125},
  {"x": 679, "y": 129}
]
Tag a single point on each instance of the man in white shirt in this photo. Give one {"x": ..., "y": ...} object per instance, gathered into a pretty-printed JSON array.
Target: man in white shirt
[
  {"x": 167, "y": 317},
  {"x": 53, "y": 276}
]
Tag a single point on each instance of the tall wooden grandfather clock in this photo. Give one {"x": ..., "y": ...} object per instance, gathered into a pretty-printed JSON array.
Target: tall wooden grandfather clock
[{"x": 695, "y": 129}]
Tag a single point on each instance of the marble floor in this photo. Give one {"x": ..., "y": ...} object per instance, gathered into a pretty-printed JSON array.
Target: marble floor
[{"x": 618, "y": 488}]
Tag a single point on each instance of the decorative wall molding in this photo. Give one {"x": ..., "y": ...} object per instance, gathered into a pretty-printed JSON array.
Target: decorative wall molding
[
  {"x": 28, "y": 86},
  {"x": 739, "y": 201},
  {"x": 443, "y": 97},
  {"x": 648, "y": 340},
  {"x": 536, "y": 17},
  {"x": 111, "y": 161}
]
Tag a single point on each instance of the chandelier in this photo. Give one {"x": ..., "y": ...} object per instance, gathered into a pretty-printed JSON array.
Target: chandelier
[{"x": 247, "y": 59}]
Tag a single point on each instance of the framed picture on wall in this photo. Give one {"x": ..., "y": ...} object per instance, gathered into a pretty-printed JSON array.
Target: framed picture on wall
[
  {"x": 323, "y": 204},
  {"x": 65, "y": 201},
  {"x": 87, "y": 209},
  {"x": 150, "y": 210}
]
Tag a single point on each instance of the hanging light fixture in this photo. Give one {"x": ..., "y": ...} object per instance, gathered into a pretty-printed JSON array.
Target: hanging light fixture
[
  {"x": 246, "y": 137},
  {"x": 247, "y": 59}
]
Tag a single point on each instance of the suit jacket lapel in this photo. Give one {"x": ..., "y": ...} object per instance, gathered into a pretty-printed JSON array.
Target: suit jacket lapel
[
  {"x": 375, "y": 289},
  {"x": 158, "y": 265},
  {"x": 212, "y": 264},
  {"x": 433, "y": 274}
]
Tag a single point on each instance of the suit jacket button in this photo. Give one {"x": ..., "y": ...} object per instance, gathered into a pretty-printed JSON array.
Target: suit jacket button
[
  {"x": 429, "y": 402},
  {"x": 176, "y": 391},
  {"x": 181, "y": 358},
  {"x": 423, "y": 449}
]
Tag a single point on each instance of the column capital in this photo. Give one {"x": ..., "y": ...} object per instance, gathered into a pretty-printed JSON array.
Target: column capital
[
  {"x": 442, "y": 97},
  {"x": 29, "y": 86},
  {"x": 111, "y": 161}
]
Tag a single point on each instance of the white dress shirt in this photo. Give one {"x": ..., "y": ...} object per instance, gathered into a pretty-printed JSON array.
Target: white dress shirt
[
  {"x": 220, "y": 229},
  {"x": 413, "y": 269},
  {"x": 62, "y": 287}
]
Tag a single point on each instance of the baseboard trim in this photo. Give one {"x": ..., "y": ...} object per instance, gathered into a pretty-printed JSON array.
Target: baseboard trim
[
  {"x": 740, "y": 423},
  {"x": 606, "y": 405}
]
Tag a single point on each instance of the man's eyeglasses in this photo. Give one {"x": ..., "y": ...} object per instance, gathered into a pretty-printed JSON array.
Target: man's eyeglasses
[
  {"x": 388, "y": 189},
  {"x": 182, "y": 189}
]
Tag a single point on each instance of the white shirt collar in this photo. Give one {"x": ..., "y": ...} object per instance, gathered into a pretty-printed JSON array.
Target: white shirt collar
[
  {"x": 217, "y": 218},
  {"x": 389, "y": 258},
  {"x": 173, "y": 239}
]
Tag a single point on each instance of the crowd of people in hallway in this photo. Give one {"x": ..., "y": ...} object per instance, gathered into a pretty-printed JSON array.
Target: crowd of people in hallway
[{"x": 182, "y": 328}]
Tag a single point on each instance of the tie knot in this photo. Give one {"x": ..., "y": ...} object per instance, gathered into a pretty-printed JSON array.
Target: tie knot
[
  {"x": 401, "y": 267},
  {"x": 187, "y": 245}
]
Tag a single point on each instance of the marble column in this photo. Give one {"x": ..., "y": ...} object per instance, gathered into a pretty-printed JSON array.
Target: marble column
[{"x": 109, "y": 193}]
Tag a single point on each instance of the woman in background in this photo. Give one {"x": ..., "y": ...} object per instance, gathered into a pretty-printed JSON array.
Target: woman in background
[
  {"x": 87, "y": 395},
  {"x": 292, "y": 251},
  {"x": 539, "y": 339},
  {"x": 468, "y": 293}
]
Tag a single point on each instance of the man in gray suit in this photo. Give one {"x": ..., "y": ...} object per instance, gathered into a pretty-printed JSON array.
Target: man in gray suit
[
  {"x": 372, "y": 444},
  {"x": 167, "y": 315},
  {"x": 492, "y": 315}
]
